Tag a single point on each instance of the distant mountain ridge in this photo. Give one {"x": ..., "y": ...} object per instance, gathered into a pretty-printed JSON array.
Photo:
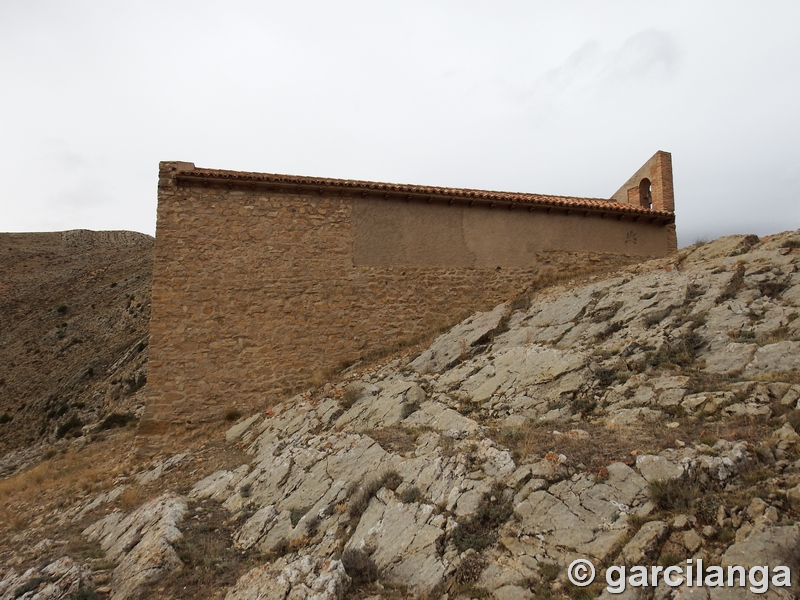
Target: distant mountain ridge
[{"x": 75, "y": 308}]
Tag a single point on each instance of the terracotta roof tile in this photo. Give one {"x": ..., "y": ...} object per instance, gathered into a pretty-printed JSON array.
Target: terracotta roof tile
[{"x": 467, "y": 194}]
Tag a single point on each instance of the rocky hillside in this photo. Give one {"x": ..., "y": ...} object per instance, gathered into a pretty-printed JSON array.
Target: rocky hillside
[
  {"x": 73, "y": 346},
  {"x": 647, "y": 418}
]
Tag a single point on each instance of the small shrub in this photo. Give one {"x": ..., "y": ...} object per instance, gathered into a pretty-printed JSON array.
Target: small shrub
[
  {"x": 791, "y": 243},
  {"x": 358, "y": 564},
  {"x": 360, "y": 501},
  {"x": 742, "y": 336},
  {"x": 726, "y": 536},
  {"x": 28, "y": 586},
  {"x": 62, "y": 309},
  {"x": 734, "y": 285},
  {"x": 669, "y": 559},
  {"x": 5, "y": 418},
  {"x": 409, "y": 408},
  {"x": 85, "y": 594},
  {"x": 245, "y": 490},
  {"x": 779, "y": 334},
  {"x": 693, "y": 291},
  {"x": 480, "y": 531},
  {"x": 707, "y": 439},
  {"x": 296, "y": 514},
  {"x": 606, "y": 377},
  {"x": 395, "y": 438},
  {"x": 312, "y": 524},
  {"x": 582, "y": 405},
  {"x": 411, "y": 495},
  {"x": 281, "y": 548},
  {"x": 772, "y": 289},
  {"x": 116, "y": 420},
  {"x": 793, "y": 418},
  {"x": 705, "y": 508},
  {"x": 72, "y": 424},
  {"x": 676, "y": 411},
  {"x": 604, "y": 314},
  {"x": 673, "y": 494},
  {"x": 756, "y": 475},
  {"x": 610, "y": 330},
  {"x": 351, "y": 394},
  {"x": 521, "y": 302},
  {"x": 470, "y": 568},
  {"x": 391, "y": 480},
  {"x": 655, "y": 317},
  {"x": 549, "y": 571},
  {"x": 680, "y": 351},
  {"x": 232, "y": 415}
]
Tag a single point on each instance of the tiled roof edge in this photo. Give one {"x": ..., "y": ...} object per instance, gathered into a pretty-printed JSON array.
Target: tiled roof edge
[{"x": 465, "y": 193}]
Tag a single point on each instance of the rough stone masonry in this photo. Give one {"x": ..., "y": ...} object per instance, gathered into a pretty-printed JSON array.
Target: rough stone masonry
[{"x": 263, "y": 282}]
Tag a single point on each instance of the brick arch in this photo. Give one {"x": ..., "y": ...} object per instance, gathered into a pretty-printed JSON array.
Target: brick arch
[{"x": 658, "y": 172}]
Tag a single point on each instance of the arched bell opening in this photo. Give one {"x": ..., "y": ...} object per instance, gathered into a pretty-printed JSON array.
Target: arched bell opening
[{"x": 645, "y": 195}]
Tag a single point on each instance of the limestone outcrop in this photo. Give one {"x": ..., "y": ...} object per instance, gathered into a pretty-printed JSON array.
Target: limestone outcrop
[{"x": 647, "y": 418}]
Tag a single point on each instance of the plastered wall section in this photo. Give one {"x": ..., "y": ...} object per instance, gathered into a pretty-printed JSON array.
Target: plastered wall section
[{"x": 256, "y": 293}]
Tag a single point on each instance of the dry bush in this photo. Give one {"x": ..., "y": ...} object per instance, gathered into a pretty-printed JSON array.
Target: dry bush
[
  {"x": 359, "y": 566},
  {"x": 361, "y": 497},
  {"x": 606, "y": 313},
  {"x": 116, "y": 420},
  {"x": 470, "y": 568},
  {"x": 395, "y": 438},
  {"x": 132, "y": 498},
  {"x": 779, "y": 334},
  {"x": 480, "y": 530},
  {"x": 232, "y": 415},
  {"x": 733, "y": 286},
  {"x": 680, "y": 351},
  {"x": 411, "y": 495},
  {"x": 674, "y": 494},
  {"x": 350, "y": 396},
  {"x": 298, "y": 513}
]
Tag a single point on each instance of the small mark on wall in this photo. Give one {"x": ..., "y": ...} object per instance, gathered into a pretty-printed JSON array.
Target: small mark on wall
[{"x": 631, "y": 238}]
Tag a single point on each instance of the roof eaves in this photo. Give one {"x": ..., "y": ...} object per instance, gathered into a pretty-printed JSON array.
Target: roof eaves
[{"x": 568, "y": 202}]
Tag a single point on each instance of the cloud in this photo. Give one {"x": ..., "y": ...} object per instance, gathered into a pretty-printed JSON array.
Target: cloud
[
  {"x": 592, "y": 72},
  {"x": 649, "y": 53}
]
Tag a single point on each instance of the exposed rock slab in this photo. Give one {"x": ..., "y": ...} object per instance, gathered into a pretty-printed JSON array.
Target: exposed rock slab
[
  {"x": 403, "y": 541},
  {"x": 306, "y": 578},
  {"x": 141, "y": 541}
]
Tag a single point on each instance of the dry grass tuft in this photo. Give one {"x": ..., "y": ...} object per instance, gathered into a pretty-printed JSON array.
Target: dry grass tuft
[
  {"x": 133, "y": 497},
  {"x": 395, "y": 438},
  {"x": 66, "y": 475}
]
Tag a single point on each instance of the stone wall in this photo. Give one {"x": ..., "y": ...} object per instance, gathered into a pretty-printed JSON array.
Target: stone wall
[{"x": 259, "y": 288}]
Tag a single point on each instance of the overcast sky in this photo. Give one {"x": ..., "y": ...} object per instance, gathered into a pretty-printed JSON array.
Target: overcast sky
[{"x": 558, "y": 97}]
